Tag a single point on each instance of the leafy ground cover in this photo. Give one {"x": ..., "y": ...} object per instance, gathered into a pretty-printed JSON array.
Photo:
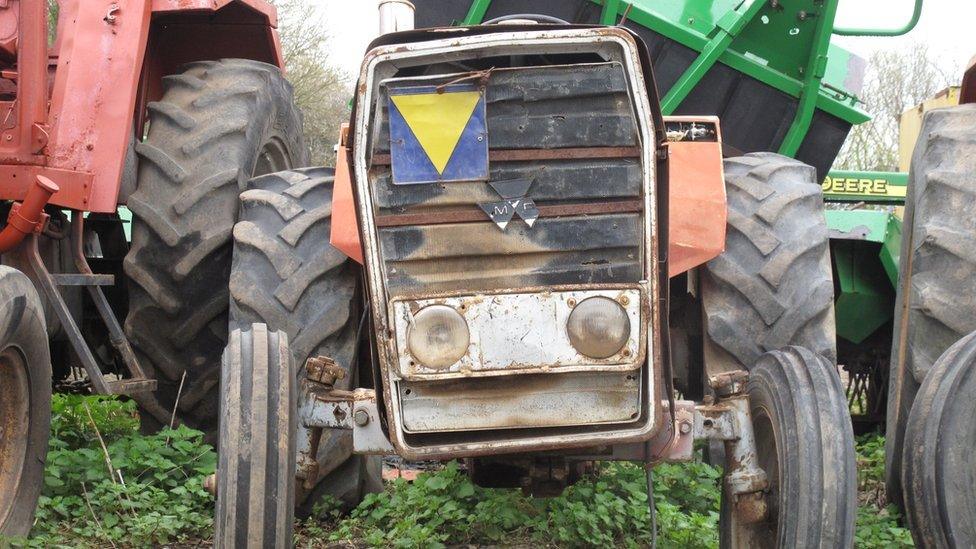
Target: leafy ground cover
[{"x": 106, "y": 485}]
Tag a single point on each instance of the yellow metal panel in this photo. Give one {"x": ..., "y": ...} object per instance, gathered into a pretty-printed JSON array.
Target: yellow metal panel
[{"x": 911, "y": 123}]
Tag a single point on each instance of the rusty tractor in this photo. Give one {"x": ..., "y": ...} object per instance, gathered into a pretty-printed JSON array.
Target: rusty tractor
[
  {"x": 930, "y": 435},
  {"x": 168, "y": 107},
  {"x": 528, "y": 259}
]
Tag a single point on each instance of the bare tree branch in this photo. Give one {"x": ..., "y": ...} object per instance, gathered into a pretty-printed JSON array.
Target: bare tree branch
[
  {"x": 896, "y": 81},
  {"x": 322, "y": 90}
]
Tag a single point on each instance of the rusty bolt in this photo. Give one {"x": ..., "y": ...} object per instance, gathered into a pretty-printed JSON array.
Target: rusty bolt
[
  {"x": 361, "y": 417},
  {"x": 624, "y": 300},
  {"x": 684, "y": 427},
  {"x": 571, "y": 302},
  {"x": 324, "y": 370},
  {"x": 210, "y": 484},
  {"x": 751, "y": 508},
  {"x": 729, "y": 383}
]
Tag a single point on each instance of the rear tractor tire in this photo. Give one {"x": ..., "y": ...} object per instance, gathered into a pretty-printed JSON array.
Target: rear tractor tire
[
  {"x": 935, "y": 304},
  {"x": 25, "y": 401},
  {"x": 805, "y": 444},
  {"x": 217, "y": 125},
  {"x": 773, "y": 286},
  {"x": 258, "y": 419},
  {"x": 287, "y": 275}
]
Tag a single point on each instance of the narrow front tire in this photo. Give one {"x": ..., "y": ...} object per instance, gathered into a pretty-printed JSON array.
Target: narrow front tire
[
  {"x": 805, "y": 444},
  {"x": 256, "y": 469}
]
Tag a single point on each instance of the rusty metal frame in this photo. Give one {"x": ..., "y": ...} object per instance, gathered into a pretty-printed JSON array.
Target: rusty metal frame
[
  {"x": 618, "y": 39},
  {"x": 519, "y": 155},
  {"x": 77, "y": 135},
  {"x": 473, "y": 214}
]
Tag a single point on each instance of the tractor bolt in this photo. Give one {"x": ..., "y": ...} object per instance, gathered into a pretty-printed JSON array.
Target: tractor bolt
[
  {"x": 729, "y": 383},
  {"x": 684, "y": 427},
  {"x": 324, "y": 370},
  {"x": 361, "y": 417}
]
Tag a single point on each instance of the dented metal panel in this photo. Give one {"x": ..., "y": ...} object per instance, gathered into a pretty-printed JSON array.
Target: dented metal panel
[
  {"x": 478, "y": 256},
  {"x": 522, "y": 333},
  {"x": 550, "y": 400},
  {"x": 580, "y": 107}
]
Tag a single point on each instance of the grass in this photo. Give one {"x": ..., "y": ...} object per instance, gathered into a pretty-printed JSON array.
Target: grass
[{"x": 139, "y": 490}]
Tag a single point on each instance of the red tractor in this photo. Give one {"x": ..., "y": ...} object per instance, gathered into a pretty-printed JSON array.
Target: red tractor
[{"x": 169, "y": 107}]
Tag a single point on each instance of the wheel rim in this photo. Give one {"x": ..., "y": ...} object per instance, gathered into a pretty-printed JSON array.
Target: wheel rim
[
  {"x": 14, "y": 426},
  {"x": 766, "y": 533},
  {"x": 272, "y": 158}
]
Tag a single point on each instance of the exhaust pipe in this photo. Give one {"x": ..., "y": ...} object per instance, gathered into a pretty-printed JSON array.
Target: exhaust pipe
[
  {"x": 25, "y": 216},
  {"x": 396, "y": 15}
]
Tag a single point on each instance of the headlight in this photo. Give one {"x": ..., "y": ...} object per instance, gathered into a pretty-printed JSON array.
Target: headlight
[
  {"x": 598, "y": 327},
  {"x": 438, "y": 336}
]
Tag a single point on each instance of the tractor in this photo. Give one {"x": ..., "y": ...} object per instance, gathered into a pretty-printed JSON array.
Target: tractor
[
  {"x": 528, "y": 259},
  {"x": 168, "y": 107}
]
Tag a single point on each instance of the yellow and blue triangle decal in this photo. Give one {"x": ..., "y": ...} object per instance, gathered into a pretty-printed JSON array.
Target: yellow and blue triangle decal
[{"x": 438, "y": 135}]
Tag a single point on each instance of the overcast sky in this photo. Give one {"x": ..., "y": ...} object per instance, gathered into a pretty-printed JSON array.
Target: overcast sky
[{"x": 947, "y": 26}]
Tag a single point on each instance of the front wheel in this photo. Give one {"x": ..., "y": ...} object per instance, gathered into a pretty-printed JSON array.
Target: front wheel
[
  {"x": 805, "y": 444},
  {"x": 256, "y": 471},
  {"x": 25, "y": 401},
  {"x": 938, "y": 464}
]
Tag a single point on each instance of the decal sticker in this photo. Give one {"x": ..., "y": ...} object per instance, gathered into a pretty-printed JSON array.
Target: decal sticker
[{"x": 438, "y": 134}]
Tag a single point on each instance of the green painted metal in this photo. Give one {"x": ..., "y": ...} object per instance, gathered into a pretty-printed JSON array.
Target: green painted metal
[
  {"x": 726, "y": 30},
  {"x": 476, "y": 13},
  {"x": 864, "y": 300},
  {"x": 872, "y": 187},
  {"x": 916, "y": 15},
  {"x": 891, "y": 249},
  {"x": 875, "y": 226},
  {"x": 815, "y": 71},
  {"x": 774, "y": 46},
  {"x": 609, "y": 14}
]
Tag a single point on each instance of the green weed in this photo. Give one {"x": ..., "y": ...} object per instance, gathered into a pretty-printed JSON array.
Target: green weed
[{"x": 159, "y": 498}]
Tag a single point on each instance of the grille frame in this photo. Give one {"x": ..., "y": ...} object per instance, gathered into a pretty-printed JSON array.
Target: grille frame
[{"x": 618, "y": 45}]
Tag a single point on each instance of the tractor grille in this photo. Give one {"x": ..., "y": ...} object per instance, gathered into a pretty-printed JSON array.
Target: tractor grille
[{"x": 571, "y": 129}]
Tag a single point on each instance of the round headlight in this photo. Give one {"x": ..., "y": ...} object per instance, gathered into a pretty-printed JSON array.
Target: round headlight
[
  {"x": 438, "y": 336},
  {"x": 598, "y": 327}
]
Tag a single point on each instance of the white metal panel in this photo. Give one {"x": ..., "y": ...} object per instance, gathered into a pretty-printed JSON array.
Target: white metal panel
[{"x": 521, "y": 333}]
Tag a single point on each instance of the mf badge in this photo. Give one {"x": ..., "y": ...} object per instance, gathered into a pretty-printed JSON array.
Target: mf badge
[
  {"x": 438, "y": 134},
  {"x": 515, "y": 202}
]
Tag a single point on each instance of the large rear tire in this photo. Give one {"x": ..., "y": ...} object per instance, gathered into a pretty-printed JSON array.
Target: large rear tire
[
  {"x": 805, "y": 444},
  {"x": 935, "y": 305},
  {"x": 218, "y": 124},
  {"x": 258, "y": 418},
  {"x": 939, "y": 464},
  {"x": 287, "y": 275},
  {"x": 772, "y": 287},
  {"x": 25, "y": 401}
]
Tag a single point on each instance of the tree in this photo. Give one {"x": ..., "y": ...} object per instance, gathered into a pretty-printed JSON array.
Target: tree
[
  {"x": 897, "y": 80},
  {"x": 322, "y": 91}
]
